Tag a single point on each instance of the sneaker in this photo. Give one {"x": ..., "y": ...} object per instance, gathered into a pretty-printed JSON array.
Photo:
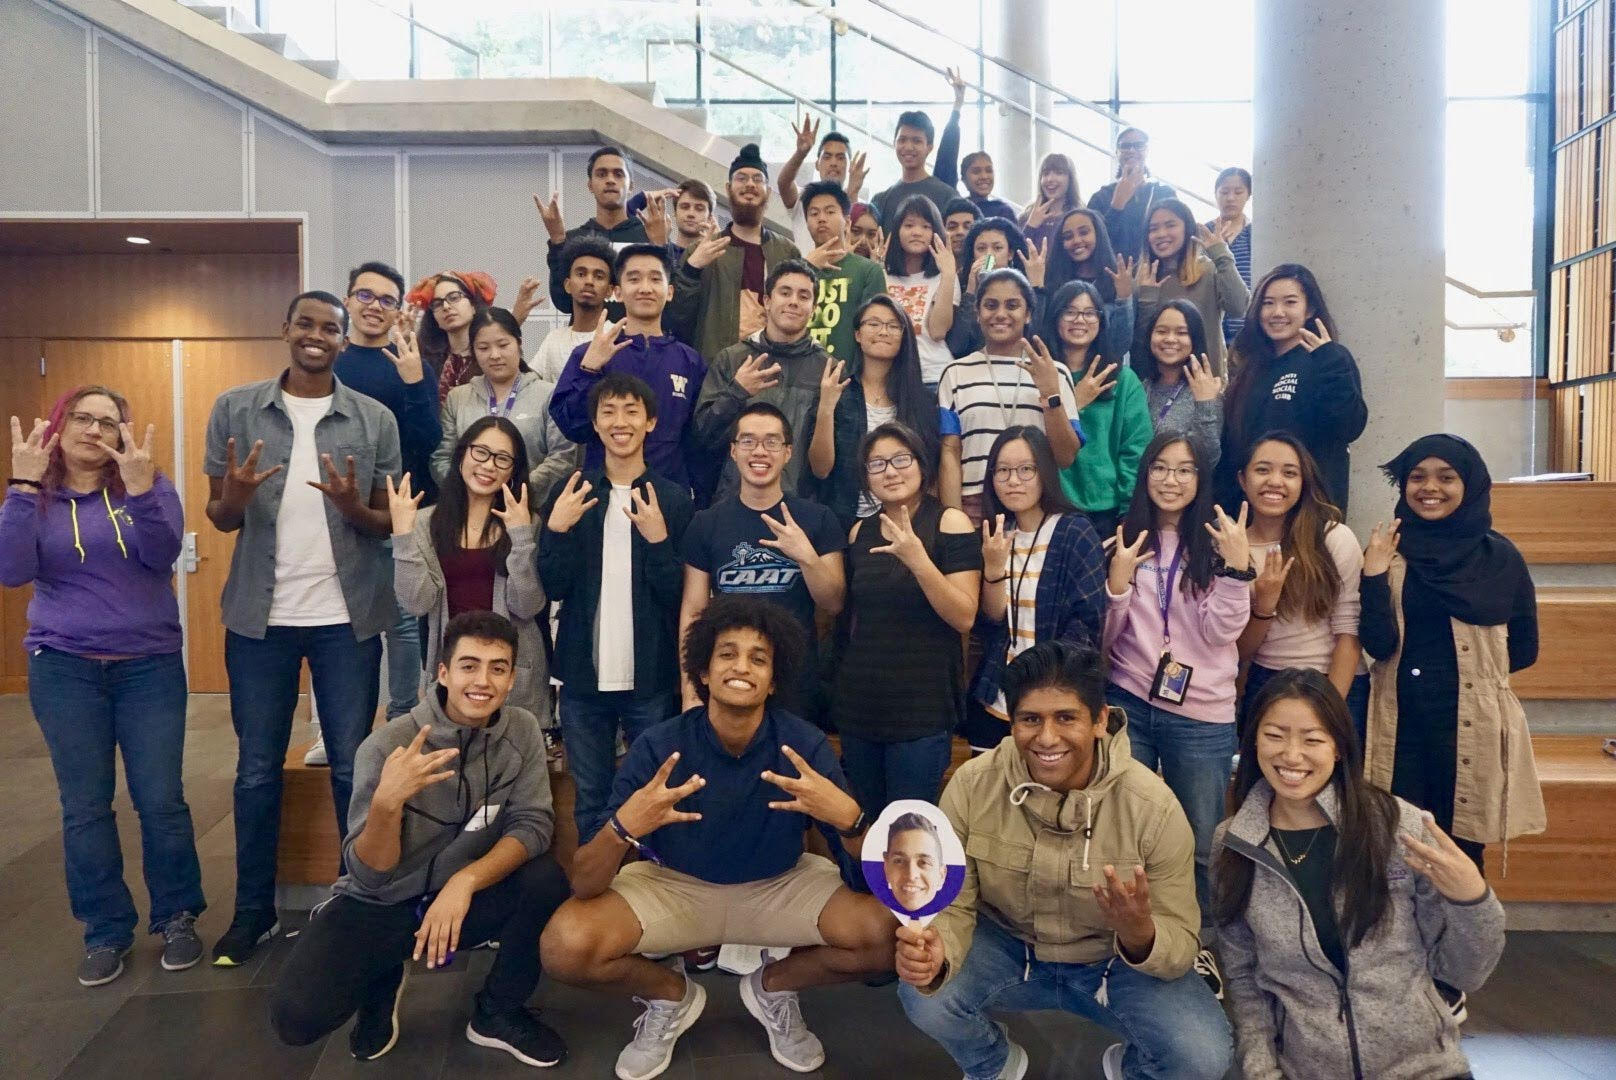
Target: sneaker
[
  {"x": 1111, "y": 1061},
  {"x": 656, "y": 1032},
  {"x": 1455, "y": 1000},
  {"x": 375, "y": 1027},
  {"x": 1206, "y": 966},
  {"x": 248, "y": 930},
  {"x": 316, "y": 755},
  {"x": 520, "y": 1034},
  {"x": 102, "y": 964},
  {"x": 701, "y": 959},
  {"x": 790, "y": 1041},
  {"x": 181, "y": 947},
  {"x": 1015, "y": 1065},
  {"x": 743, "y": 959}
]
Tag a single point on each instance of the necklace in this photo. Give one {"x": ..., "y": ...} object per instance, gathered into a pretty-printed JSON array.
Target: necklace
[{"x": 1296, "y": 860}]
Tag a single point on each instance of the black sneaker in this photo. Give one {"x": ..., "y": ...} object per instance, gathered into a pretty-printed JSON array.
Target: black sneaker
[
  {"x": 375, "y": 1027},
  {"x": 520, "y": 1033},
  {"x": 102, "y": 964},
  {"x": 1206, "y": 966},
  {"x": 248, "y": 930},
  {"x": 181, "y": 947},
  {"x": 1455, "y": 1000}
]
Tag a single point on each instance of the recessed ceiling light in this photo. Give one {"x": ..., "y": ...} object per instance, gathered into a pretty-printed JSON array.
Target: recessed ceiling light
[{"x": 137, "y": 240}]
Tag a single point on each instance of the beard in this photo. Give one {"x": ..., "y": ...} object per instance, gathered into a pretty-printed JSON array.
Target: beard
[{"x": 746, "y": 215}]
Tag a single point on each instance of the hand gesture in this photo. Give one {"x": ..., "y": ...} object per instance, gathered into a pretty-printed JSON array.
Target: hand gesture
[
  {"x": 1125, "y": 908},
  {"x": 1270, "y": 583},
  {"x": 756, "y": 374},
  {"x": 813, "y": 794},
  {"x": 1036, "y": 361},
  {"x": 856, "y": 171},
  {"x": 1310, "y": 340},
  {"x": 516, "y": 513},
  {"x": 831, "y": 385},
  {"x": 1377, "y": 557},
  {"x": 1204, "y": 384},
  {"x": 752, "y": 317},
  {"x": 707, "y": 250},
  {"x": 135, "y": 465},
  {"x": 1227, "y": 230},
  {"x": 995, "y": 548},
  {"x": 30, "y": 457},
  {"x": 571, "y": 505},
  {"x": 973, "y": 276},
  {"x": 646, "y": 514},
  {"x": 947, "y": 265},
  {"x": 1206, "y": 237},
  {"x": 402, "y": 505},
  {"x": 652, "y": 806},
  {"x": 1125, "y": 560},
  {"x": 341, "y": 488},
  {"x": 789, "y": 538},
  {"x": 1145, "y": 273},
  {"x": 408, "y": 771},
  {"x": 655, "y": 219},
  {"x": 405, "y": 353},
  {"x": 1093, "y": 383},
  {"x": 957, "y": 81},
  {"x": 1444, "y": 865},
  {"x": 439, "y": 934},
  {"x": 550, "y": 214},
  {"x": 603, "y": 346},
  {"x": 918, "y": 957},
  {"x": 878, "y": 246},
  {"x": 528, "y": 297},
  {"x": 806, "y": 135},
  {"x": 829, "y": 255},
  {"x": 1040, "y": 212},
  {"x": 241, "y": 481},
  {"x": 1128, "y": 182},
  {"x": 1035, "y": 261},
  {"x": 1122, "y": 278},
  {"x": 901, "y": 541},
  {"x": 1229, "y": 536}
]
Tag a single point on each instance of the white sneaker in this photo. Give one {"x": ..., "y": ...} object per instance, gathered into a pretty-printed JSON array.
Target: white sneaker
[
  {"x": 1015, "y": 1066},
  {"x": 790, "y": 1041},
  {"x": 1111, "y": 1062},
  {"x": 1206, "y": 966},
  {"x": 316, "y": 752},
  {"x": 657, "y": 1031},
  {"x": 743, "y": 959}
]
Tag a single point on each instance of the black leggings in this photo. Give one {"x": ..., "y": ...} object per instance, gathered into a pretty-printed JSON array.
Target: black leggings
[{"x": 352, "y": 947}]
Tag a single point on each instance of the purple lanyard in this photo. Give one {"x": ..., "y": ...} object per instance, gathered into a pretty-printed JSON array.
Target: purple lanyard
[
  {"x": 1177, "y": 390},
  {"x": 1164, "y": 593},
  {"x": 493, "y": 405}
]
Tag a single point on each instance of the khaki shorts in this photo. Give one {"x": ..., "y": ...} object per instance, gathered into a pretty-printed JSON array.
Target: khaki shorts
[{"x": 678, "y": 912}]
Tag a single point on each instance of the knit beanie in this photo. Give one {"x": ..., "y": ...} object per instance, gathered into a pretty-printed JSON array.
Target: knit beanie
[{"x": 750, "y": 157}]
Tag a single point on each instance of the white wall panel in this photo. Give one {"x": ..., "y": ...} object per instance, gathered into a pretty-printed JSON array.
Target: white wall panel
[{"x": 43, "y": 111}]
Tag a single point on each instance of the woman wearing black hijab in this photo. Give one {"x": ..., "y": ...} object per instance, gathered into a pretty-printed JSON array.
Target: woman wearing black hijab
[{"x": 1448, "y": 613}]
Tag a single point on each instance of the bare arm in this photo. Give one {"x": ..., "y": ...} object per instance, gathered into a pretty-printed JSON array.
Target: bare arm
[
  {"x": 826, "y": 578},
  {"x": 1344, "y": 660},
  {"x": 503, "y": 859},
  {"x": 596, "y": 863},
  {"x": 377, "y": 845},
  {"x": 950, "y": 472},
  {"x": 1062, "y": 435},
  {"x": 226, "y": 516},
  {"x": 822, "y": 450},
  {"x": 941, "y": 315}
]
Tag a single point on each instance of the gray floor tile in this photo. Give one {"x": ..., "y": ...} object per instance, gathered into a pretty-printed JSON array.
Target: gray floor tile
[{"x": 40, "y": 1039}]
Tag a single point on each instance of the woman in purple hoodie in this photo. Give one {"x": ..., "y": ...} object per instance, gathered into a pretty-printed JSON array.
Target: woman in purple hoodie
[{"x": 92, "y": 524}]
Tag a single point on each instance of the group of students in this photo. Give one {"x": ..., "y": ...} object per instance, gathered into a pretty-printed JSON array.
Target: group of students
[{"x": 960, "y": 485}]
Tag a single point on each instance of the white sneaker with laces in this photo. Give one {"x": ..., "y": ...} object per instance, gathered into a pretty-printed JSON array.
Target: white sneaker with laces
[
  {"x": 1111, "y": 1061},
  {"x": 1206, "y": 966},
  {"x": 316, "y": 752},
  {"x": 790, "y": 1041},
  {"x": 657, "y": 1031}
]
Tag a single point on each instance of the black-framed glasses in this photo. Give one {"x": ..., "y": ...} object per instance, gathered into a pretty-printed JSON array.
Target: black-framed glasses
[
  {"x": 1020, "y": 472},
  {"x": 88, "y": 420},
  {"x": 772, "y": 443},
  {"x": 367, "y": 298},
  {"x": 441, "y": 302},
  {"x": 878, "y": 465},
  {"x": 1082, "y": 315},
  {"x": 481, "y": 453},
  {"x": 881, "y": 326},
  {"x": 1182, "y": 473}
]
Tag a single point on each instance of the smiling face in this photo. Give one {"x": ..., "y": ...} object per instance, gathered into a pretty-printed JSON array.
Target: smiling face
[
  {"x": 758, "y": 465},
  {"x": 477, "y": 679},
  {"x": 1172, "y": 478},
  {"x": 1017, "y": 492},
  {"x": 914, "y": 867},
  {"x": 644, "y": 288},
  {"x": 789, "y": 306},
  {"x": 979, "y": 176},
  {"x": 911, "y": 146},
  {"x": 1170, "y": 341},
  {"x": 1002, "y": 312},
  {"x": 894, "y": 484},
  {"x": 1132, "y": 147},
  {"x": 864, "y": 232},
  {"x": 1056, "y": 735},
  {"x": 314, "y": 332},
  {"x": 1434, "y": 489},
  {"x": 1077, "y": 237},
  {"x": 1165, "y": 234},
  {"x": 1052, "y": 184},
  {"x": 748, "y": 192},
  {"x": 89, "y": 426},
  {"x": 879, "y": 333},
  {"x": 371, "y": 321},
  {"x": 1283, "y": 313},
  {"x": 609, "y": 182},
  {"x": 825, "y": 218},
  {"x": 1080, "y": 323},
  {"x": 621, "y": 424},
  {"x": 451, "y": 306},
  {"x": 499, "y": 355},
  {"x": 1295, "y": 752},
  {"x": 957, "y": 225},
  {"x": 740, "y": 674},
  {"x": 588, "y": 282},
  {"x": 485, "y": 478},
  {"x": 1272, "y": 479},
  {"x": 832, "y": 163}
]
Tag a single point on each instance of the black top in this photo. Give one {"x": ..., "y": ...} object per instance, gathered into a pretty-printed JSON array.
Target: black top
[
  {"x": 723, "y": 541},
  {"x": 1313, "y": 877},
  {"x": 902, "y": 672}
]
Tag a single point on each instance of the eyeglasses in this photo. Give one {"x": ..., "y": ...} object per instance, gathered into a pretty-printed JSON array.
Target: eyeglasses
[
  {"x": 772, "y": 443},
  {"x": 1020, "y": 472},
  {"x": 1086, "y": 315},
  {"x": 1181, "y": 473},
  {"x": 89, "y": 420},
  {"x": 367, "y": 298},
  {"x": 441, "y": 302},
  {"x": 878, "y": 465},
  {"x": 881, "y": 326},
  {"x": 1132, "y": 145},
  {"x": 481, "y": 453}
]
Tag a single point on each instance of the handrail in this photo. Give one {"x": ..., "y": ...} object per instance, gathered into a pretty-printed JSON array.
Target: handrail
[
  {"x": 808, "y": 103},
  {"x": 476, "y": 57},
  {"x": 1489, "y": 294}
]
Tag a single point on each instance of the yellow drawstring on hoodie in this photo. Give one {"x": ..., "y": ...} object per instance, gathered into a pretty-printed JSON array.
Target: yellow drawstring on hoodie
[{"x": 112, "y": 516}]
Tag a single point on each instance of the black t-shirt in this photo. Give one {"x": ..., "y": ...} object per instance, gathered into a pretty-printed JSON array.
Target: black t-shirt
[
  {"x": 1313, "y": 877},
  {"x": 723, "y": 542}
]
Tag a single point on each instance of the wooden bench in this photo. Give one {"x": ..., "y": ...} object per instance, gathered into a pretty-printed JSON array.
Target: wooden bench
[
  {"x": 1575, "y": 860},
  {"x": 1558, "y": 522},
  {"x": 1576, "y": 638}
]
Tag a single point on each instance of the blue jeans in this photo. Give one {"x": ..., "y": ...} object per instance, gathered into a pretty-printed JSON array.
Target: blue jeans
[
  {"x": 589, "y": 721},
  {"x": 1195, "y": 758},
  {"x": 1175, "y": 1029},
  {"x": 884, "y": 772},
  {"x": 346, "y": 676},
  {"x": 88, "y": 710},
  {"x": 403, "y": 665}
]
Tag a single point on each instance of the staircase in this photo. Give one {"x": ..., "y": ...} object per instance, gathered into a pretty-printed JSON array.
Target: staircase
[{"x": 231, "y": 17}]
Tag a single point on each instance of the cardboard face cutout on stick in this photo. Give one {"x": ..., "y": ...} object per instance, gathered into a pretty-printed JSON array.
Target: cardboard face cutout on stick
[{"x": 913, "y": 861}]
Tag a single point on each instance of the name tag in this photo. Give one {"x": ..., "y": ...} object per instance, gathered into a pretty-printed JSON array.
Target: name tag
[{"x": 483, "y": 818}]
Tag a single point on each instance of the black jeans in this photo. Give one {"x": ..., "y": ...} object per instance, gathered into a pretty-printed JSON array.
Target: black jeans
[{"x": 351, "y": 948}]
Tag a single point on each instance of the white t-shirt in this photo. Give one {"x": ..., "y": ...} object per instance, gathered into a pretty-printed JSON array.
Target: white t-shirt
[
  {"x": 614, "y": 617},
  {"x": 799, "y": 227},
  {"x": 307, "y": 590},
  {"x": 914, "y": 293},
  {"x": 874, "y": 417},
  {"x": 554, "y": 350}
]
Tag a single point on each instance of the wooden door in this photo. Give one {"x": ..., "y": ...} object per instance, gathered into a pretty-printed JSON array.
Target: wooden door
[
  {"x": 211, "y": 368},
  {"x": 20, "y": 393}
]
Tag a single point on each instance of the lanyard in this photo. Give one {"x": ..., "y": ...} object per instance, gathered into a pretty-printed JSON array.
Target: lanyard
[
  {"x": 510, "y": 401},
  {"x": 1177, "y": 390},
  {"x": 998, "y": 396},
  {"x": 1164, "y": 594},
  {"x": 1016, "y": 582}
]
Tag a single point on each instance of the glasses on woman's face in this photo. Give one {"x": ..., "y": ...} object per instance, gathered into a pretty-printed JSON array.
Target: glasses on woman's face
[
  {"x": 367, "y": 298},
  {"x": 1182, "y": 473},
  {"x": 484, "y": 454},
  {"x": 441, "y": 302},
  {"x": 1077, "y": 315},
  {"x": 772, "y": 443},
  {"x": 881, "y": 326},
  {"x": 1020, "y": 472},
  {"x": 84, "y": 421},
  {"x": 878, "y": 465}
]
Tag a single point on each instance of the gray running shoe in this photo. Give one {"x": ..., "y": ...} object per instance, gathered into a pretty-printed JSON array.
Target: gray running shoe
[
  {"x": 102, "y": 964},
  {"x": 790, "y": 1041},
  {"x": 656, "y": 1032},
  {"x": 181, "y": 947}
]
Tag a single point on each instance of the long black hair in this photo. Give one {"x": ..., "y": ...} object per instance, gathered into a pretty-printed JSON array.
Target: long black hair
[
  {"x": 1092, "y": 269},
  {"x": 1051, "y": 497},
  {"x": 1200, "y": 554},
  {"x": 1365, "y": 832},
  {"x": 914, "y": 206},
  {"x": 1252, "y": 347},
  {"x": 1049, "y": 332},
  {"x": 916, "y": 406},
  {"x": 1144, "y": 360},
  {"x": 496, "y": 316},
  {"x": 448, "y": 524},
  {"x": 1013, "y": 236}
]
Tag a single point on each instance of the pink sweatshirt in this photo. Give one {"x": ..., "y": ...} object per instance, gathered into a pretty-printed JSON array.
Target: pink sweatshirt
[{"x": 1205, "y": 627}]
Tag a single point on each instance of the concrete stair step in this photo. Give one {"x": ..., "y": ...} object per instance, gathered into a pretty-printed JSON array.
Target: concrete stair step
[
  {"x": 279, "y": 44},
  {"x": 330, "y": 69},
  {"x": 646, "y": 90},
  {"x": 226, "y": 15},
  {"x": 696, "y": 114}
]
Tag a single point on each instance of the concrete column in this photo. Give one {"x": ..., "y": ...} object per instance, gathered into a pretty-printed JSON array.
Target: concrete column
[
  {"x": 1350, "y": 116},
  {"x": 1018, "y": 31}
]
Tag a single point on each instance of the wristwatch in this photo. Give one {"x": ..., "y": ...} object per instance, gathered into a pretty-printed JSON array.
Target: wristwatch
[
  {"x": 859, "y": 825},
  {"x": 1053, "y": 401}
]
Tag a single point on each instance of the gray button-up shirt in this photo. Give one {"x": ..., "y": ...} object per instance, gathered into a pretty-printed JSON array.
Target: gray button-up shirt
[{"x": 356, "y": 426}]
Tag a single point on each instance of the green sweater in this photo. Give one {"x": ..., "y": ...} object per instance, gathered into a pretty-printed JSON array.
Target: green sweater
[
  {"x": 705, "y": 312},
  {"x": 1118, "y": 427},
  {"x": 841, "y": 293}
]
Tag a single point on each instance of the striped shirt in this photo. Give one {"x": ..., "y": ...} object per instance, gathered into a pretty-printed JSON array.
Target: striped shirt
[
  {"x": 1240, "y": 248},
  {"x": 1027, "y": 552},
  {"x": 980, "y": 396}
]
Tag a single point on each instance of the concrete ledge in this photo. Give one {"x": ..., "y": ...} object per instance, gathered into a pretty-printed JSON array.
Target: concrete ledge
[{"x": 1585, "y": 918}]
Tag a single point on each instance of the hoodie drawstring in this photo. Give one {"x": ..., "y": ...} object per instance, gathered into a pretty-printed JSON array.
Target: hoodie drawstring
[
  {"x": 112, "y": 516},
  {"x": 1019, "y": 793},
  {"x": 1026, "y": 961},
  {"x": 1088, "y": 827},
  {"x": 1102, "y": 996}
]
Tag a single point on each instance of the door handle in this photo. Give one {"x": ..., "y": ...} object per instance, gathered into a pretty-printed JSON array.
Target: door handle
[{"x": 188, "y": 556}]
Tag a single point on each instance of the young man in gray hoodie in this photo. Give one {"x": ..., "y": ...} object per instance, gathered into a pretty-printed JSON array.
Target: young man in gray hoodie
[{"x": 448, "y": 843}]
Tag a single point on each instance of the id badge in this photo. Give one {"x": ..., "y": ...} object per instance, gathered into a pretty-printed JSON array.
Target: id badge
[{"x": 1172, "y": 682}]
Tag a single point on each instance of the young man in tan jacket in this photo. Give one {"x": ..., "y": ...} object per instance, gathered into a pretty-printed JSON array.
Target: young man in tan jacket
[{"x": 1079, "y": 891}]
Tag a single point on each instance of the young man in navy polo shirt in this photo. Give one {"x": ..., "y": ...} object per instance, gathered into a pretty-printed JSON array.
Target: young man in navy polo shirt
[{"x": 715, "y": 802}]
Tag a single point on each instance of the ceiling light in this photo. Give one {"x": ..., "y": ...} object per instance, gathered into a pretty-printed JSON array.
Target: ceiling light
[{"x": 137, "y": 240}]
